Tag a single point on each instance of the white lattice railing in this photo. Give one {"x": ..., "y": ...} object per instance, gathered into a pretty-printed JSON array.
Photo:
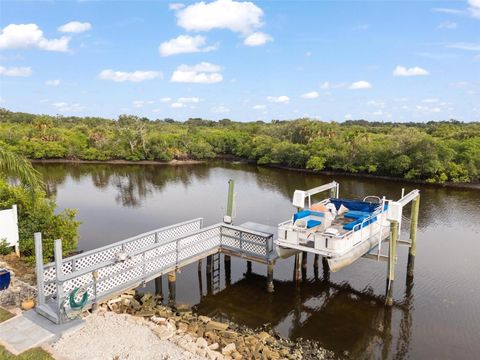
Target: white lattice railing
[{"x": 147, "y": 256}]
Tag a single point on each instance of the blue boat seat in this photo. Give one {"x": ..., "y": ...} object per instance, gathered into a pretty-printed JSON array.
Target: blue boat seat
[
  {"x": 311, "y": 217},
  {"x": 313, "y": 223},
  {"x": 355, "y": 214}
]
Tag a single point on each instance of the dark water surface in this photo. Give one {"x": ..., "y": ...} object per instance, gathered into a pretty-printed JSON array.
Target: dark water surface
[{"x": 437, "y": 315}]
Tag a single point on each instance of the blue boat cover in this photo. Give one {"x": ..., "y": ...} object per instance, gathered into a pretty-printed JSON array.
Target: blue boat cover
[{"x": 356, "y": 205}]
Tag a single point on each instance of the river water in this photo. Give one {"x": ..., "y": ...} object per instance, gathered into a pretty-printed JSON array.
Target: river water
[{"x": 436, "y": 316}]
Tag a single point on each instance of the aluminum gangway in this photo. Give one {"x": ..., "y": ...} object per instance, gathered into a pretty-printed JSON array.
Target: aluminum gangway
[{"x": 113, "y": 269}]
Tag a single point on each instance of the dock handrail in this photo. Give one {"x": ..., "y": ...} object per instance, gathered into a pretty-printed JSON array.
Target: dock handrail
[{"x": 102, "y": 276}]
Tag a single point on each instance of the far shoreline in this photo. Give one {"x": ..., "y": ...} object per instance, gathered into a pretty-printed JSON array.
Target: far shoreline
[{"x": 471, "y": 186}]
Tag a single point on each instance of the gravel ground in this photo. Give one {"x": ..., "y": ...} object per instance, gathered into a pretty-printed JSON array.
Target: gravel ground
[{"x": 110, "y": 336}]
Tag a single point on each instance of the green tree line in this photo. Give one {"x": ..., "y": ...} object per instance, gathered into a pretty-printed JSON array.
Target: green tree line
[{"x": 435, "y": 152}]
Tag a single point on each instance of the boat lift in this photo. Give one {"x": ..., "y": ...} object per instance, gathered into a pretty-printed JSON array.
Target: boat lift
[{"x": 352, "y": 234}]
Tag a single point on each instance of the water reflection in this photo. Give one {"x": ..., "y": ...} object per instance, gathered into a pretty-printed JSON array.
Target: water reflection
[{"x": 353, "y": 323}]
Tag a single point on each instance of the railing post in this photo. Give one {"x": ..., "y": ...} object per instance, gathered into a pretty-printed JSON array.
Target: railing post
[
  {"x": 39, "y": 268},
  {"x": 57, "y": 250},
  {"x": 412, "y": 252}
]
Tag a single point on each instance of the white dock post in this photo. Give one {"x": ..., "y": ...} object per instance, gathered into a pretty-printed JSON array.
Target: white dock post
[
  {"x": 57, "y": 251},
  {"x": 39, "y": 268}
]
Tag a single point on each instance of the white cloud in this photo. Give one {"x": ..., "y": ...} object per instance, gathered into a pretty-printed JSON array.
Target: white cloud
[
  {"x": 165, "y": 99},
  {"x": 141, "y": 103},
  {"x": 75, "y": 27},
  {"x": 239, "y": 17},
  {"x": 184, "y": 44},
  {"x": 18, "y": 36},
  {"x": 327, "y": 85},
  {"x": 176, "y": 6},
  {"x": 430, "y": 100},
  {"x": 15, "y": 71},
  {"x": 348, "y": 117},
  {"x": 465, "y": 46},
  {"x": 450, "y": 25},
  {"x": 279, "y": 99},
  {"x": 177, "y": 105},
  {"x": 362, "y": 84},
  {"x": 259, "y": 107},
  {"x": 55, "y": 82},
  {"x": 376, "y": 103},
  {"x": 66, "y": 107},
  {"x": 428, "y": 109},
  {"x": 449, "y": 11},
  {"x": 257, "y": 39},
  {"x": 310, "y": 95},
  {"x": 188, "y": 100},
  {"x": 135, "y": 76},
  {"x": 203, "y": 73},
  {"x": 221, "y": 109},
  {"x": 412, "y": 71},
  {"x": 474, "y": 8}
]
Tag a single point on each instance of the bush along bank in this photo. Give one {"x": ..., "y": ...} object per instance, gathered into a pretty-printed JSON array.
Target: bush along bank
[
  {"x": 434, "y": 152},
  {"x": 212, "y": 338}
]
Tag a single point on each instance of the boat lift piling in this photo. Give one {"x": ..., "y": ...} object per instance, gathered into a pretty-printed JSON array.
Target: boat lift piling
[{"x": 413, "y": 235}]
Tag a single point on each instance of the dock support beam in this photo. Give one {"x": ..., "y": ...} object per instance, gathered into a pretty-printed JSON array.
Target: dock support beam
[
  {"x": 413, "y": 236},
  {"x": 270, "y": 287},
  {"x": 392, "y": 254},
  {"x": 172, "y": 279},
  {"x": 249, "y": 268}
]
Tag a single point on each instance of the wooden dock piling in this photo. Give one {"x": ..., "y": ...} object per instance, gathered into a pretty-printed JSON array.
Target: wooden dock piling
[
  {"x": 413, "y": 236},
  {"x": 249, "y": 268},
  {"x": 172, "y": 279},
  {"x": 392, "y": 254},
  {"x": 270, "y": 287},
  {"x": 159, "y": 286},
  {"x": 200, "y": 278},
  {"x": 298, "y": 267}
]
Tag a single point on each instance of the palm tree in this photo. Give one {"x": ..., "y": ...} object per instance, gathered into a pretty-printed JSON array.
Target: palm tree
[{"x": 18, "y": 166}]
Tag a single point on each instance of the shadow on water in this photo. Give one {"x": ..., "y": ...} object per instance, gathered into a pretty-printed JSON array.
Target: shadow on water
[{"x": 354, "y": 324}]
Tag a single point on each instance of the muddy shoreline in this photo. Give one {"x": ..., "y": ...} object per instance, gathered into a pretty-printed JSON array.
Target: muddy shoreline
[{"x": 474, "y": 186}]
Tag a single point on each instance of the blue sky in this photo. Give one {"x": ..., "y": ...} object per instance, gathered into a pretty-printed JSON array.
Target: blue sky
[{"x": 331, "y": 60}]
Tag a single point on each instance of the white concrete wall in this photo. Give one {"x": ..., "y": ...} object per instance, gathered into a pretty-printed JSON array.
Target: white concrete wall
[{"x": 9, "y": 226}]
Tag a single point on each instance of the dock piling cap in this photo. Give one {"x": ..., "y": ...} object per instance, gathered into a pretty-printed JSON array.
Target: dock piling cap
[{"x": 227, "y": 219}]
